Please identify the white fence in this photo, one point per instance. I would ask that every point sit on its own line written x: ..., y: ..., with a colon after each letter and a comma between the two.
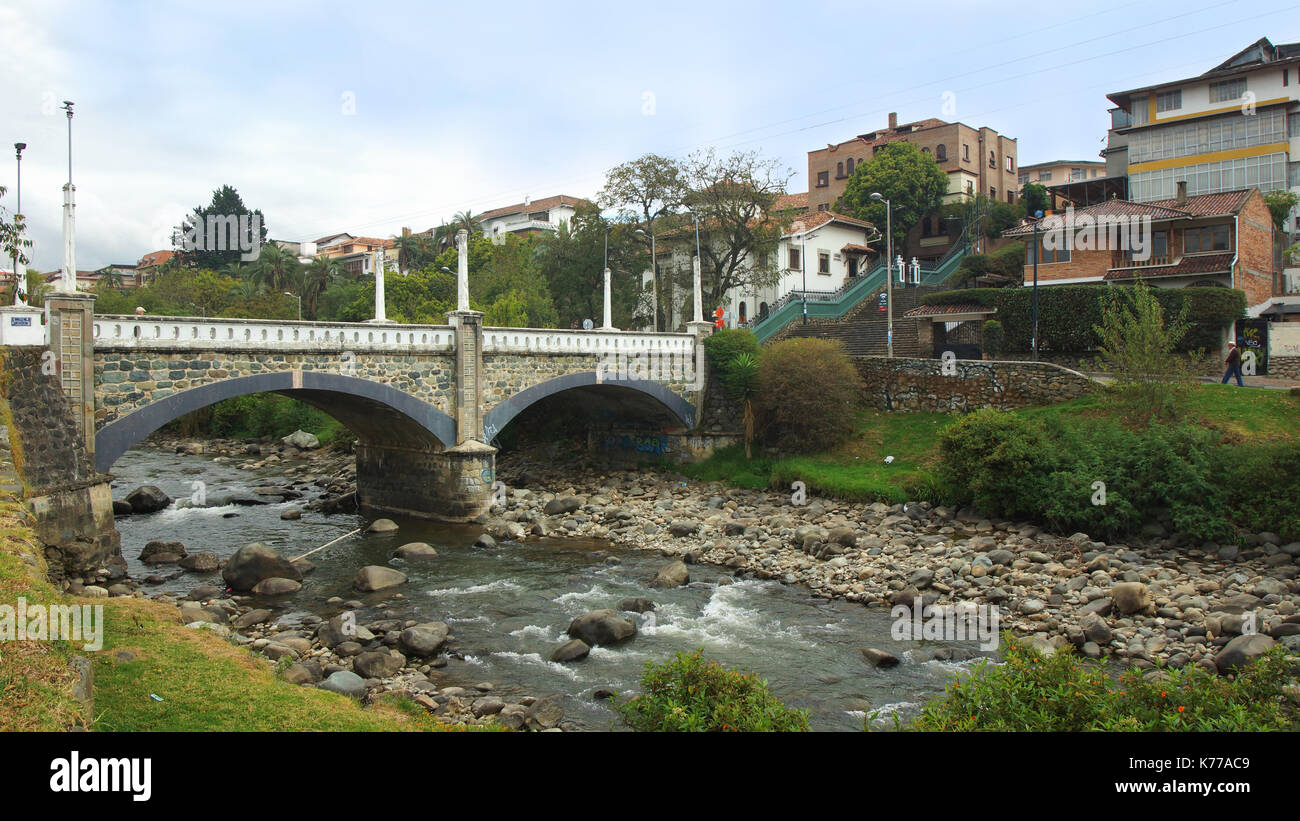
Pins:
x: 194, y: 333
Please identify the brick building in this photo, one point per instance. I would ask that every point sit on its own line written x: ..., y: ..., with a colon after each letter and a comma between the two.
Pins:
x: 976, y: 160
x: 1224, y: 240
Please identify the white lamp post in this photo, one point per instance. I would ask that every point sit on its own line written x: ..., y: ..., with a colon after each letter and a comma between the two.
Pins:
x: 889, y: 274
x: 68, y: 282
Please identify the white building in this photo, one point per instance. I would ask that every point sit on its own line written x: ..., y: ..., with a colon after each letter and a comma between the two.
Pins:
x: 527, y: 217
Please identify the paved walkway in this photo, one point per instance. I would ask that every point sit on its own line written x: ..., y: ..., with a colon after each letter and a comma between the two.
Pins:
x: 1275, y: 383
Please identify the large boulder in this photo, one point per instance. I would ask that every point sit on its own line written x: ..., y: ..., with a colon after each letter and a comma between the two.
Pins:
x: 1242, y: 651
x: 254, y: 562
x: 558, y: 507
x: 381, y: 526
x: 601, y: 627
x: 205, y: 561
x: 1130, y: 597
x: 276, y: 586
x: 378, y: 664
x: 346, y: 683
x: 147, y: 499
x: 673, y: 574
x: 338, y: 630
x: 157, y: 552
x: 376, y: 577
x: 302, y: 440
x: 572, y: 650
x: 415, y: 551
x: 879, y: 658
x: 423, y: 639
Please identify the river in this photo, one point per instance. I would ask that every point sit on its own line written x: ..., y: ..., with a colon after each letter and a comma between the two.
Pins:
x: 508, y: 607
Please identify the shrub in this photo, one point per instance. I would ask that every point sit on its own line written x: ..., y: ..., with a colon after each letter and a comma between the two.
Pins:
x: 1137, y: 345
x: 691, y: 694
x: 808, y: 391
x: 992, y: 337
x: 1063, y: 693
x: 724, y: 345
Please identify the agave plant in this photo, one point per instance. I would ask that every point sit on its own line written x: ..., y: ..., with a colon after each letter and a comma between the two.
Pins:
x: 742, y: 380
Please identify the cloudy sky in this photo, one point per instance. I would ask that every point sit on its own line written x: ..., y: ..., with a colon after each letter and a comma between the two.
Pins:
x: 366, y: 117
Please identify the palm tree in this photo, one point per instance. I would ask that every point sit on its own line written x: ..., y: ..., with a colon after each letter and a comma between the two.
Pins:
x: 316, y: 277
x: 277, y: 269
x: 465, y: 219
x: 413, y: 251
x: 444, y: 236
x: 110, y: 276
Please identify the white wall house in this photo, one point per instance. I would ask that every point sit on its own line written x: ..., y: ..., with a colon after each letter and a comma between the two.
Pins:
x: 529, y: 216
x: 821, y: 252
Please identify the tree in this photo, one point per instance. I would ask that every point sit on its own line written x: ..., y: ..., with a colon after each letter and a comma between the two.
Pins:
x: 572, y: 262
x: 226, y: 204
x: 1035, y: 199
x: 1138, y: 348
x: 903, y: 174
x: 464, y: 219
x: 277, y: 269
x: 414, y: 251
x: 317, y: 276
x: 646, y: 190
x: 1280, y: 205
x: 732, y: 196
x: 12, y: 241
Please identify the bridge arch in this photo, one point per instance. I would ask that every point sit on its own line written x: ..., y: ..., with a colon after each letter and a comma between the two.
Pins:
x: 642, y: 395
x: 377, y: 413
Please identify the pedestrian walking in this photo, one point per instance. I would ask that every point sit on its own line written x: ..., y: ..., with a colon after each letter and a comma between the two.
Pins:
x: 1234, y: 365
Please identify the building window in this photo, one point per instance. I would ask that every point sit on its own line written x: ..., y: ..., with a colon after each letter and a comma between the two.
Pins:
x: 1076, y: 174
x: 1266, y: 172
x: 824, y: 207
x: 794, y: 259
x: 970, y: 186
x: 1011, y: 164
x: 1286, y: 77
x: 925, y: 227
x: 839, y: 170
x: 1208, y: 238
x: 1227, y: 90
x: 993, y: 193
x: 823, y: 179
x: 1044, y: 176
x: 1169, y: 100
x: 1046, y: 257
x: 993, y: 160
x: 1011, y: 196
x: 850, y: 169
x: 744, y: 316
x: 823, y: 262
x: 965, y: 152
x: 1024, y: 177
x: 941, y: 152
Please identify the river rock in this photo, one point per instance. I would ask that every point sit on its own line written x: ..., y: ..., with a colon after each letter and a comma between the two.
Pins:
x: 276, y: 586
x: 299, y: 673
x: 545, y: 713
x: 254, y: 562
x: 346, y: 683
x: 683, y: 527
x: 378, y: 664
x: 559, y: 507
x: 415, y: 551
x: 1241, y: 651
x: 376, y: 577
x: 147, y: 499
x: 157, y: 552
x: 122, y: 507
x: 879, y: 658
x: 422, y: 640
x: 573, y: 650
x: 674, y: 574
x: 1096, y: 629
x: 205, y: 561
x: 381, y: 526
x: 602, y: 627
x: 251, y: 618
x: 302, y: 440
x: 485, y: 540
x: 639, y: 605
x: 1130, y: 597
x: 293, y: 514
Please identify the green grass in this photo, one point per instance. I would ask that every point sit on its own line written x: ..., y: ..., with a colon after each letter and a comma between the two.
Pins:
x: 856, y: 470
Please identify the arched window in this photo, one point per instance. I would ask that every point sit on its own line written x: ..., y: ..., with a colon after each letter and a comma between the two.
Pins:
x: 850, y: 166
x: 941, y: 152
x: 762, y: 309
x: 839, y: 170
x: 993, y: 160
x: 744, y: 316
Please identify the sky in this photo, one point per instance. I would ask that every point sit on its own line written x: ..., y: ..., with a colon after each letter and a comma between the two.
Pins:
x: 367, y: 117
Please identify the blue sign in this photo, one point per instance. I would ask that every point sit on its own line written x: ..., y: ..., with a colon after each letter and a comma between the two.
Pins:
x: 20, y: 321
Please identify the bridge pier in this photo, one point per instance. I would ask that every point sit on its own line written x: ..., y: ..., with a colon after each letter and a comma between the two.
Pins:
x: 454, y: 484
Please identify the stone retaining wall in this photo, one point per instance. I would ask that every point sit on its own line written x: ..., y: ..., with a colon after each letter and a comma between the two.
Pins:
x: 921, y: 385
x: 1284, y: 366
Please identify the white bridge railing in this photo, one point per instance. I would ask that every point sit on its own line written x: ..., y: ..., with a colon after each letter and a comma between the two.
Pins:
x: 196, y: 333
x: 223, y: 334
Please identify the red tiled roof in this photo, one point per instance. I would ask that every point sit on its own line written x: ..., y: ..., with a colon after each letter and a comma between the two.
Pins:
x: 1188, y: 265
x: 155, y: 258
x: 819, y: 218
x: 887, y: 135
x: 1203, y: 205
x: 951, y: 308
x: 790, y: 202
x: 544, y: 204
x: 853, y: 248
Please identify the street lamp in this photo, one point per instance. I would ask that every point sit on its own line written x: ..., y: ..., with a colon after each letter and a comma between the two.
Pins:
x: 1038, y: 216
x: 295, y: 296
x: 889, y: 266
x: 69, y: 280
x: 654, y: 276
x: 18, y: 214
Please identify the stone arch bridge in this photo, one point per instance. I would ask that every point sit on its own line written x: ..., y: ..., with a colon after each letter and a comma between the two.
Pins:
x: 425, y: 401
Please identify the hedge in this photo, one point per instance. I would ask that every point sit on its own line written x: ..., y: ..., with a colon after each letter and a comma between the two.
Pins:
x: 1067, y: 313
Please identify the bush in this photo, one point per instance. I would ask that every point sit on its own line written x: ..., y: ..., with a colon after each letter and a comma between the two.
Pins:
x: 1137, y: 346
x: 692, y: 694
x: 1067, y: 314
x: 992, y: 338
x: 724, y: 345
x: 1063, y: 693
x: 808, y: 391
x: 1006, y: 464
